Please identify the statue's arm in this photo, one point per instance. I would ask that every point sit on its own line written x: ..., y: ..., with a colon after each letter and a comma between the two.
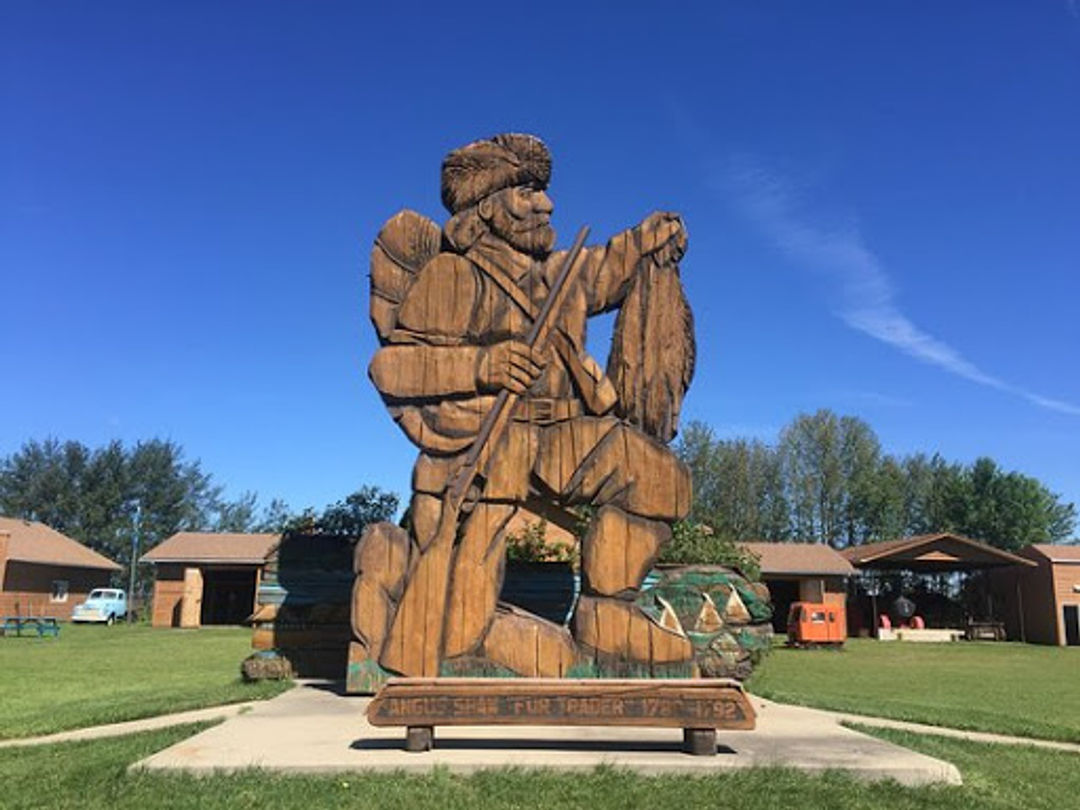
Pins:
x: 429, y: 356
x: 609, y: 269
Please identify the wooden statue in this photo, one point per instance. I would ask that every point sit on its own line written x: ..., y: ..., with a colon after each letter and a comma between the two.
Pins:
x: 483, y: 366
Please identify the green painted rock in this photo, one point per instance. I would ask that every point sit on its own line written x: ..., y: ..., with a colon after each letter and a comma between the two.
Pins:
x: 726, y: 617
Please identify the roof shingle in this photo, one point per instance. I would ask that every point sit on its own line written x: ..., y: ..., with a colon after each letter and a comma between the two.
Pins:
x: 33, y: 542
x: 209, y: 547
x: 1057, y: 553
x: 800, y: 558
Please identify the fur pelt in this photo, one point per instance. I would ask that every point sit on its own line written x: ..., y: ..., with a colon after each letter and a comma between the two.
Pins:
x: 652, y: 352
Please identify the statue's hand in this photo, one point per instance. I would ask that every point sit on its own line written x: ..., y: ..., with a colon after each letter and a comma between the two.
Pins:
x: 511, y: 364
x: 663, y: 236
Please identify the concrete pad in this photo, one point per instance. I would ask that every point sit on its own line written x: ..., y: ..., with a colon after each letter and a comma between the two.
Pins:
x: 315, y: 729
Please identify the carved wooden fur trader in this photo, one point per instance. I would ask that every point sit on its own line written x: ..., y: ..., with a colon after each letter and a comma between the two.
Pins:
x: 459, y: 311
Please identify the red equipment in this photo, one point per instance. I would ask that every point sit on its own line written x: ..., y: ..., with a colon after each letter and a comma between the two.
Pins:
x: 814, y: 623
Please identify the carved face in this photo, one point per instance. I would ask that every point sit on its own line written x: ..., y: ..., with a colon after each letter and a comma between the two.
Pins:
x: 522, y: 216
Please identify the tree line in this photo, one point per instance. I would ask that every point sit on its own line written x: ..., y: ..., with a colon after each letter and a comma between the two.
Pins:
x: 103, y: 496
x: 827, y: 480
x: 824, y: 480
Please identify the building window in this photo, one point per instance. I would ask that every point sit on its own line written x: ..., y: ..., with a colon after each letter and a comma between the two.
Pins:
x: 59, y: 591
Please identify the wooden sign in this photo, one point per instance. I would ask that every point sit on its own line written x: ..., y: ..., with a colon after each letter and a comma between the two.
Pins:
x: 719, y: 703
x: 421, y: 704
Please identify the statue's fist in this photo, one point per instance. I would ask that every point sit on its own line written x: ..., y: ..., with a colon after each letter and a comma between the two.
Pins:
x: 663, y: 236
x: 511, y: 364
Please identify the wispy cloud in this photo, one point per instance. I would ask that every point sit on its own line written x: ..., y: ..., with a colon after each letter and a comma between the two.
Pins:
x: 866, y: 298
x: 874, y: 398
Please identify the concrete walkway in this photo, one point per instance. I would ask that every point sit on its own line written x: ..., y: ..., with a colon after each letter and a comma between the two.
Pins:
x: 315, y: 729
x: 132, y: 726
x: 958, y: 733
x: 223, y: 712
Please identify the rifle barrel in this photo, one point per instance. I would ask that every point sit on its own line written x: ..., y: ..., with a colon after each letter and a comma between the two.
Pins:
x: 494, y: 424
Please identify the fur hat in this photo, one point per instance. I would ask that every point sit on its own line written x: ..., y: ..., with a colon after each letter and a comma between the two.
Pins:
x: 483, y: 167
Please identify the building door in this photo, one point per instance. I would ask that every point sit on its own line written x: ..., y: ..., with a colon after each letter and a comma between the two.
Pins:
x: 228, y: 595
x: 1071, y: 614
x: 783, y: 593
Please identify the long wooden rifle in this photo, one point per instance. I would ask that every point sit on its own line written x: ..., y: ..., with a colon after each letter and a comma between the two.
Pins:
x: 413, y: 647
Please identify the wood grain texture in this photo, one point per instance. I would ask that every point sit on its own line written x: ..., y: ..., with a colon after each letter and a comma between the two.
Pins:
x: 476, y: 578
x: 617, y: 628
x: 191, y: 602
x: 381, y: 563
x: 653, y: 351
x: 618, y: 550
x: 529, y: 646
x: 414, y: 640
x: 482, y: 363
x: 699, y: 704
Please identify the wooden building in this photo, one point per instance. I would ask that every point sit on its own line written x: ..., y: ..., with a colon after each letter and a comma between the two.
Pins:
x: 207, y: 577
x: 1046, y: 609
x: 908, y: 566
x: 801, y: 572
x: 46, y: 573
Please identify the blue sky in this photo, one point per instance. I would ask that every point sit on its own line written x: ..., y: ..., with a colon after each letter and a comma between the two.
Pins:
x: 883, y: 202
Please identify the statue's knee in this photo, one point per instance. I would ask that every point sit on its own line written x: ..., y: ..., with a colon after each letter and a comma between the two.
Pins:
x: 660, y: 482
x: 618, y: 550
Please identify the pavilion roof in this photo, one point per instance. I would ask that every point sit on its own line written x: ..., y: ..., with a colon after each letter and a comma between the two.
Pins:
x: 931, y: 553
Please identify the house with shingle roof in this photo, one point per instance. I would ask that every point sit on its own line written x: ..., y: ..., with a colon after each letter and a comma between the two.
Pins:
x: 44, y: 572
x: 801, y: 572
x: 207, y: 577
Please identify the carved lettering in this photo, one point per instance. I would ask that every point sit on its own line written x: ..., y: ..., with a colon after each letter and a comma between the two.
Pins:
x: 476, y: 701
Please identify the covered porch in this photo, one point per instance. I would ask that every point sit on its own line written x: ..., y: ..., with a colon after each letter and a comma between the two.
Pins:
x: 933, y: 587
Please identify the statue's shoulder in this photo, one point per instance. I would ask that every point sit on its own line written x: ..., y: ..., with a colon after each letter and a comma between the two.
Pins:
x: 443, y: 297
x: 412, y: 276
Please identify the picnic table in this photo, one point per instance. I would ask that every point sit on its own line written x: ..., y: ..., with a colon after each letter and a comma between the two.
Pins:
x: 42, y: 625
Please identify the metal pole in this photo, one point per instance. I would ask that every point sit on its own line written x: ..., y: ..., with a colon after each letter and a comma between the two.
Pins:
x: 133, y: 564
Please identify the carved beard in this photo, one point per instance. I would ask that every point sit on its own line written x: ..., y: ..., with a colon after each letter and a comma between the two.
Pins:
x: 531, y: 234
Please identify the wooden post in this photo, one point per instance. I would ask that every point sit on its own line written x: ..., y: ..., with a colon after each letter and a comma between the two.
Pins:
x: 419, y: 738
x: 700, y: 742
x: 191, y: 602
x: 258, y: 582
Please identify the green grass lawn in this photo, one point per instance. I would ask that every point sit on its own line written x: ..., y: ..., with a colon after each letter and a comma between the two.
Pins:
x: 1020, y: 689
x: 94, y: 674
x: 94, y: 774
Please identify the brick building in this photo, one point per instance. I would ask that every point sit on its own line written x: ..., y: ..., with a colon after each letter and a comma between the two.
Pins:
x: 45, y: 573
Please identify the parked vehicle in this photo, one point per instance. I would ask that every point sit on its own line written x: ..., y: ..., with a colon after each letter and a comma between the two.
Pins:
x: 103, y: 605
x: 812, y: 624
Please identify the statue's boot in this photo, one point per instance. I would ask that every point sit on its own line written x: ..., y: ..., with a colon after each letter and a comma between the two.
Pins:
x: 381, y: 563
x: 617, y: 553
x: 525, y: 644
